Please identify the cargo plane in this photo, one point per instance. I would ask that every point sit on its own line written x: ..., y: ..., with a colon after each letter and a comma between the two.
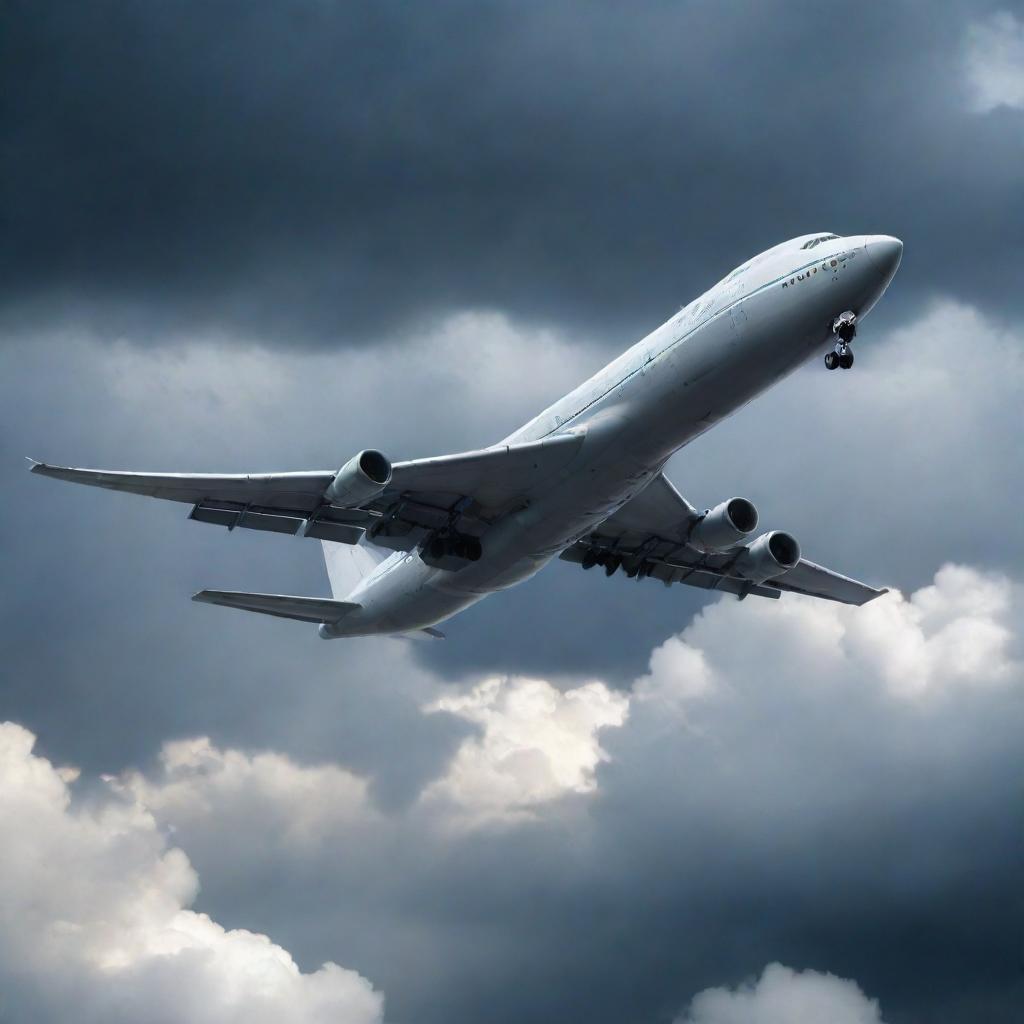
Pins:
x: 410, y: 544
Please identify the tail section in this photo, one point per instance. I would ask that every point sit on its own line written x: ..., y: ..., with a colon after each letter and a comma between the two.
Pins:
x: 349, y: 564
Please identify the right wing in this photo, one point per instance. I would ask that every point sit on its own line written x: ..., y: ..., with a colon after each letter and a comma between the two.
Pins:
x: 463, y: 492
x: 648, y: 537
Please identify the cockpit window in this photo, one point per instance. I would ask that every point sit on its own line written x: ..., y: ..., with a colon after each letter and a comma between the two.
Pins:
x: 817, y: 241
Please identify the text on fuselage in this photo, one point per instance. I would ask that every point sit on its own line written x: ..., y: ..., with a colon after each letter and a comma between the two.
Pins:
x: 828, y: 265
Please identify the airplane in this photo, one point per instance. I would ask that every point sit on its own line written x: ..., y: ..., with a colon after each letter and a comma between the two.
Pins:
x: 410, y: 544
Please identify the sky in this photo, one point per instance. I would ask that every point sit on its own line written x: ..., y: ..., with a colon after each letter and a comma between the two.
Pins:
x: 262, y: 236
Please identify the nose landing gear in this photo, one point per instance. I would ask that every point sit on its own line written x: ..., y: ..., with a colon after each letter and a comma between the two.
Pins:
x: 844, y: 327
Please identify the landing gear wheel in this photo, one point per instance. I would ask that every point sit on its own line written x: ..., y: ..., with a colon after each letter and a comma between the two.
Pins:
x: 832, y: 360
x: 846, y: 359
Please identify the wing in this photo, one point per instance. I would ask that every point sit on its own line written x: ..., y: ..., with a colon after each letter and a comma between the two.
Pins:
x: 647, y: 537
x: 463, y: 493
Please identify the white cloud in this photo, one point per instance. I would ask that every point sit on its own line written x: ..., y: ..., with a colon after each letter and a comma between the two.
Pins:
x: 678, y: 673
x: 784, y: 996
x: 95, y: 921
x: 958, y: 632
x: 299, y: 806
x: 536, y: 744
x: 994, y: 62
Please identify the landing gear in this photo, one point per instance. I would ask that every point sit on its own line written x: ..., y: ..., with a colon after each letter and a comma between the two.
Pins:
x: 844, y: 327
x: 842, y: 358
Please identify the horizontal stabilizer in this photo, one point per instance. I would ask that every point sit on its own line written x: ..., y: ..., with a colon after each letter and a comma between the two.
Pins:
x: 307, y: 609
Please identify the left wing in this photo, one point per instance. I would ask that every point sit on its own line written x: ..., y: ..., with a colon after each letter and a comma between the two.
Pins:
x: 647, y: 537
x: 460, y: 493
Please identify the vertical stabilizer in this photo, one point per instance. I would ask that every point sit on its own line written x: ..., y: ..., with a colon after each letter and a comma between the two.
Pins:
x: 349, y: 564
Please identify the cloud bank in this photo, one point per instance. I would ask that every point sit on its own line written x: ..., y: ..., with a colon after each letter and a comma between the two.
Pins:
x: 95, y: 921
x: 784, y: 996
x: 798, y: 751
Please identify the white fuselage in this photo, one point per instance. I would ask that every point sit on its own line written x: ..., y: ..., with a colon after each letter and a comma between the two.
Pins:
x: 715, y: 355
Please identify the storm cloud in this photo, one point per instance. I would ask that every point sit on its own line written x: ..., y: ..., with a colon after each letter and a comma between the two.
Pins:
x: 318, y: 173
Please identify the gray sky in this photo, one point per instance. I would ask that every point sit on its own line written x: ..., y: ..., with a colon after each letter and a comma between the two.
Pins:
x: 263, y: 236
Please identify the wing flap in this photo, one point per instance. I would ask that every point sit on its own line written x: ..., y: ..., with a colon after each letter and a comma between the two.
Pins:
x: 307, y: 609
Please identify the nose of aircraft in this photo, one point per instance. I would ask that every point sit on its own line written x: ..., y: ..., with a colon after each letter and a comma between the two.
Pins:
x: 884, y: 253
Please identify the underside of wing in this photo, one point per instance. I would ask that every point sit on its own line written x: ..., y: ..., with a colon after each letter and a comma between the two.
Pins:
x: 451, y: 496
x: 817, y: 581
x: 493, y: 477
x: 652, y: 536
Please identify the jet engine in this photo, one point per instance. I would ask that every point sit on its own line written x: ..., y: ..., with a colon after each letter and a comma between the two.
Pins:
x: 772, y: 554
x: 363, y: 477
x: 725, y: 526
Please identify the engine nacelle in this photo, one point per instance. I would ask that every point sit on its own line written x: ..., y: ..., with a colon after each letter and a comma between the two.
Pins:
x: 725, y: 526
x: 363, y: 477
x: 772, y: 554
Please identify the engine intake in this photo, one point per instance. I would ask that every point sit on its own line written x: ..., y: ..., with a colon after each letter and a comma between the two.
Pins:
x: 772, y: 554
x: 363, y: 477
x: 725, y: 526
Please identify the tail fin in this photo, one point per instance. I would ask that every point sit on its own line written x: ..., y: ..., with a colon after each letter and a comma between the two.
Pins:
x: 349, y: 564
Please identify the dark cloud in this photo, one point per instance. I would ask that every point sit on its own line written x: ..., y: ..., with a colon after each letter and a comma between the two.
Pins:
x: 321, y: 172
